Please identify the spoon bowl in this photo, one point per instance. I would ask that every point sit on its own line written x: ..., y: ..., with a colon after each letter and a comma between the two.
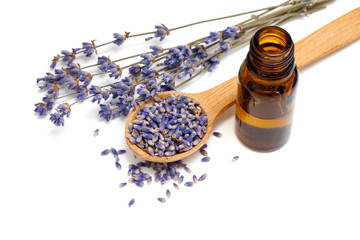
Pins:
x: 213, y: 102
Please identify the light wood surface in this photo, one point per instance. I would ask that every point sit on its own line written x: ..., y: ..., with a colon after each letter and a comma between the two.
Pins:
x: 215, y: 101
x: 327, y: 39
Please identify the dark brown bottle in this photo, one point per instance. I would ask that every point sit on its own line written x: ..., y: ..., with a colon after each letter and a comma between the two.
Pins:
x: 267, y: 83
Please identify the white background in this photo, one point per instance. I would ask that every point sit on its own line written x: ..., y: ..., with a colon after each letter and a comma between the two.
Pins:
x: 55, y: 185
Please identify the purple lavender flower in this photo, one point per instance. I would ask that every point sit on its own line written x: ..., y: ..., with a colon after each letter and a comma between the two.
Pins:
x: 214, y: 36
x: 61, y: 76
x: 61, y: 111
x: 105, y: 112
x: 239, y: 35
x: 53, y: 90
x: 134, y: 70
x: 212, y: 62
x: 156, y: 50
x: 98, y: 94
x: 148, y: 73
x: 89, y: 48
x: 49, y: 100
x: 82, y: 92
x: 57, y: 119
x: 187, y: 69
x: 103, y: 62
x: 64, y: 109
x: 161, y: 32
x: 74, y: 69
x: 144, y: 94
x: 174, y: 59
x: 153, y: 87
x: 124, y: 105
x: 229, y: 32
x: 49, y: 78
x: 199, y: 51
x: 224, y: 46
x: 115, y: 70
x: 54, y: 61
x: 167, y: 78
x: 119, y: 89
x: 147, y: 60
x: 119, y: 39
x: 185, y: 51
x: 41, y: 109
x: 85, y: 77
x: 68, y: 56
x: 73, y: 83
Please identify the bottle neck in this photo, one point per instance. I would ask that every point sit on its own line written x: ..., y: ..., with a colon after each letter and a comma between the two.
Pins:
x: 271, y: 54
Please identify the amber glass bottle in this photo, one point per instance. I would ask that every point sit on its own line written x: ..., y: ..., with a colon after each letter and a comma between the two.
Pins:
x: 266, y: 91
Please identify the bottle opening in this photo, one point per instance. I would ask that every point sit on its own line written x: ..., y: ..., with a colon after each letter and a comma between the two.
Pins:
x: 272, y: 41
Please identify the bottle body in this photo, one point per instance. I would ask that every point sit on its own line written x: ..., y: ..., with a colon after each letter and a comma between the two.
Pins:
x: 267, y: 83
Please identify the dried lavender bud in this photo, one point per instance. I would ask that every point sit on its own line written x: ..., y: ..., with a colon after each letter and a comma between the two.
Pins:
x: 176, y: 186
x: 132, y: 201
x: 114, y: 152
x: 121, y: 185
x: 203, y: 152
x: 121, y: 151
x: 235, y: 158
x: 162, y: 200
x: 118, y: 165
x: 96, y: 133
x: 189, y: 184
x: 169, y: 126
x: 105, y: 152
x: 195, y: 179
x: 217, y: 134
x: 119, y: 39
x: 168, y: 193
x: 203, y: 177
x: 181, y: 179
x: 205, y: 159
x: 204, y: 146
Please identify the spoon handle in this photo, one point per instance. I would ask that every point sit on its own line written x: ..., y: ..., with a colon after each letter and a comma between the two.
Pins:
x: 334, y: 35
x: 218, y: 99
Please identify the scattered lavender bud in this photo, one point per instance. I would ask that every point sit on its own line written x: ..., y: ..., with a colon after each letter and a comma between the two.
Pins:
x: 181, y: 179
x: 203, y: 177
x: 176, y: 186
x: 114, y: 152
x: 203, y: 152
x: 121, y: 151
x: 96, y: 133
x: 105, y: 152
x: 168, y: 193
x: 188, y: 170
x: 132, y: 201
x: 118, y: 165
x: 189, y: 184
x: 121, y: 185
x: 162, y: 200
x: 217, y: 134
x: 204, y: 146
x: 195, y: 179
x: 235, y: 158
x: 205, y: 159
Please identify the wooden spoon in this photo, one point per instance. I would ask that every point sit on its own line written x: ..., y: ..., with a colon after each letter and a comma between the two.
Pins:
x: 215, y: 101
